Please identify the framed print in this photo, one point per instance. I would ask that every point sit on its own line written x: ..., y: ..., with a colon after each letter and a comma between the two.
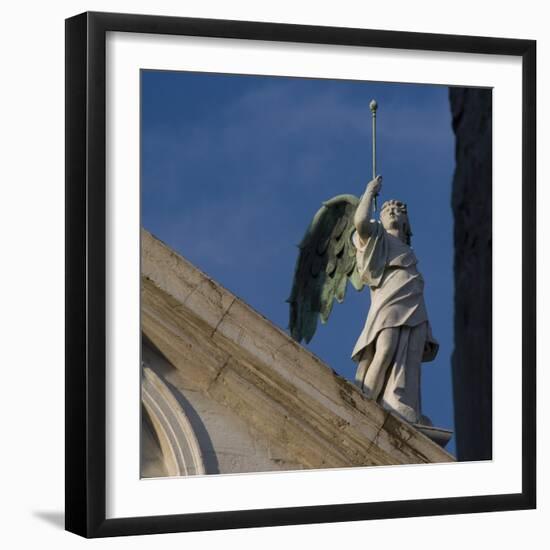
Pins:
x: 219, y: 376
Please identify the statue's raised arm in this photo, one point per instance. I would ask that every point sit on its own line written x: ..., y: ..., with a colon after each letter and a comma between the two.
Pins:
x: 364, y: 224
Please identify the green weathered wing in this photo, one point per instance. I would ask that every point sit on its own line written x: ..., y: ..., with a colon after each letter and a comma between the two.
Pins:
x: 325, y: 263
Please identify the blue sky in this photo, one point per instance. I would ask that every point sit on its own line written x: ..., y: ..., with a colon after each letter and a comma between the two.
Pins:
x: 234, y: 167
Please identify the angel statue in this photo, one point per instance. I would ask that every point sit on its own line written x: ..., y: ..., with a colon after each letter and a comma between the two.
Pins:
x: 344, y: 242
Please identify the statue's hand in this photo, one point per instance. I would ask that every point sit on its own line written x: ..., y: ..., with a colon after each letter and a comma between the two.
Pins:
x: 374, y: 186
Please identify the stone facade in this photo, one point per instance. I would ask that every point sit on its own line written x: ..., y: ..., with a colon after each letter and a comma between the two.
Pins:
x: 225, y: 391
x: 472, y: 208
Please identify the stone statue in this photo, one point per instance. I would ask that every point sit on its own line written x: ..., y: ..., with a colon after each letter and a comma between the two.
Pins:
x: 397, y: 335
x: 344, y: 242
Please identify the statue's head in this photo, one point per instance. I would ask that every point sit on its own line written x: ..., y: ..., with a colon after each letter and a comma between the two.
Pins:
x: 393, y: 215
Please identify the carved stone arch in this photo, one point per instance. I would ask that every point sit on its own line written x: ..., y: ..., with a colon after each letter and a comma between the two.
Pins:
x: 178, y: 442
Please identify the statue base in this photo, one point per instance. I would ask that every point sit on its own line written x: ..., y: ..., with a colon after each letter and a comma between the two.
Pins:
x: 441, y: 436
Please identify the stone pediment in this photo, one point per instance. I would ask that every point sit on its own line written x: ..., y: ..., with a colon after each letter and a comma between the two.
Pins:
x: 239, y: 378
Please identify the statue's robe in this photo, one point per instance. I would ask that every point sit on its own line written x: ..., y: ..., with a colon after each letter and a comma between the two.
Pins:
x: 388, y: 266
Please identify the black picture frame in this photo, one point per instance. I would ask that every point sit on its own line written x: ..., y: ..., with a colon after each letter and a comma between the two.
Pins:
x: 86, y: 273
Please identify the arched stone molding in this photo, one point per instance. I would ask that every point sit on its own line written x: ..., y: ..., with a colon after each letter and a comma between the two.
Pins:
x: 179, y: 445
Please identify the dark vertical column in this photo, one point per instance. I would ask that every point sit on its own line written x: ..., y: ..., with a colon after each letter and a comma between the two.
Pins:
x: 472, y: 208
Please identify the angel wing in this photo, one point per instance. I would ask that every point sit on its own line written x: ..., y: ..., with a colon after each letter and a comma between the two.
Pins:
x: 325, y: 263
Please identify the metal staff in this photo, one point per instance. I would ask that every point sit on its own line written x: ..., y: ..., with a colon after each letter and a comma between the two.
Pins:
x: 373, y: 106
